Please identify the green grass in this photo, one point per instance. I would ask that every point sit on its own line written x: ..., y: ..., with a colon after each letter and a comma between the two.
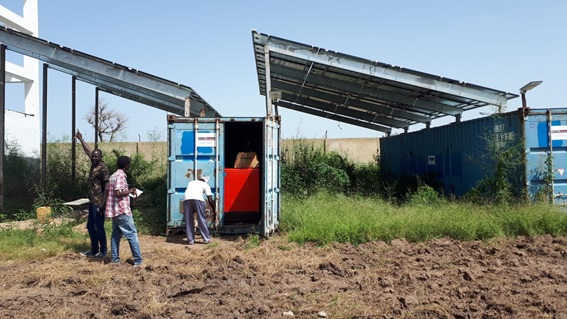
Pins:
x: 325, y: 218
x: 39, y: 242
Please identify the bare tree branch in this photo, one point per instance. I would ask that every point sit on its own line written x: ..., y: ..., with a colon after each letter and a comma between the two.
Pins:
x: 110, y: 122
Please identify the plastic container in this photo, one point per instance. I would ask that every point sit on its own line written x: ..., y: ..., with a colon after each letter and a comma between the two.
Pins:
x: 43, y: 214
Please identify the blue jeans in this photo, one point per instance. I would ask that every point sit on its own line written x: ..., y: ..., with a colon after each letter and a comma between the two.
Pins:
x: 123, y: 225
x: 95, y: 227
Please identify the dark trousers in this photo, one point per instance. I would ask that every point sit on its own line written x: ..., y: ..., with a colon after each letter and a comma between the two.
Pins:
x: 192, y: 206
x: 97, y: 233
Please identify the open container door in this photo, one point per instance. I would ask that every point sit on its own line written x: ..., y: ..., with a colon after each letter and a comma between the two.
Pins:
x: 546, y: 154
x: 193, y: 152
x: 271, y: 176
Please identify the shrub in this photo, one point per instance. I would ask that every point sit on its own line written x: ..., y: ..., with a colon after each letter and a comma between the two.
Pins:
x: 503, y: 164
x: 20, y: 174
x: 365, y: 179
x: 25, y: 191
x: 425, y: 196
x: 307, y: 170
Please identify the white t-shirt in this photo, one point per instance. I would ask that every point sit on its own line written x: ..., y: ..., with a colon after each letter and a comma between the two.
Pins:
x: 196, y: 190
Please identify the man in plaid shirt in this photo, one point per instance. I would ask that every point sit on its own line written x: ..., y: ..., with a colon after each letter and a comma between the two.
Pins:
x: 118, y: 208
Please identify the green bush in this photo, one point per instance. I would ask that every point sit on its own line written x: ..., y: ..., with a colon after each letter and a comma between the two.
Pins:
x: 20, y: 174
x: 503, y: 164
x: 307, y: 170
x: 365, y: 179
x: 425, y: 196
x: 23, y: 176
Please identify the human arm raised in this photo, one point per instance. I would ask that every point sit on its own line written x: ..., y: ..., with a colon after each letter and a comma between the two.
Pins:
x: 86, y: 147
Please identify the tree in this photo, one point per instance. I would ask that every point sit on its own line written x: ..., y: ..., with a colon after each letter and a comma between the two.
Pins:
x: 110, y: 122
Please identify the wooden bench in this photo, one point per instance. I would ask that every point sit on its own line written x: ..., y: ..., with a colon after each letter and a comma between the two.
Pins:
x: 80, y: 208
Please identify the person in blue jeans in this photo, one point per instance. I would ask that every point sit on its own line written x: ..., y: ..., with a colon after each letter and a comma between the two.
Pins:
x: 118, y: 209
x: 98, y: 178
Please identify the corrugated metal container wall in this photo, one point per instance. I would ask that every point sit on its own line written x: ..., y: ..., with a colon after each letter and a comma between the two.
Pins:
x: 457, y: 156
x: 546, y: 134
x: 209, y: 147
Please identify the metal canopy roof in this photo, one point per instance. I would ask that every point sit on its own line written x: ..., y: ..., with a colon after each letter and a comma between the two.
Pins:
x: 361, y: 92
x: 110, y: 77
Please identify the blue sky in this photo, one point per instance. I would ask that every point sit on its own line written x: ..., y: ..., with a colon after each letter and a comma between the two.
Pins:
x: 207, y: 45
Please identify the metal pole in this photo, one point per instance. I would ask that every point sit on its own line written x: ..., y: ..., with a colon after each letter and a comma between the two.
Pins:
x: 524, y: 104
x: 2, y: 119
x: 44, y: 132
x: 550, y: 162
x: 96, y: 119
x: 73, y: 130
x: 268, y: 82
x: 195, y: 150
x: 217, y: 173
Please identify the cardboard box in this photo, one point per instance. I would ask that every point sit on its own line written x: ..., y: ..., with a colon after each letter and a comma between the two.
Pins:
x: 246, y: 160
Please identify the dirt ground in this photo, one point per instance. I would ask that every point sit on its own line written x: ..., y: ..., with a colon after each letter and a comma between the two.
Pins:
x: 443, y: 278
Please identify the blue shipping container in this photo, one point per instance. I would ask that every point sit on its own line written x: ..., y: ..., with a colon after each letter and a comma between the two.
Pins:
x: 206, y: 146
x: 457, y: 156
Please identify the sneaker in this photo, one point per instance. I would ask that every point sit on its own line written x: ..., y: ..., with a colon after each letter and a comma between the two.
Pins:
x: 138, y: 265
x: 100, y: 255
x: 190, y: 243
x: 206, y: 242
x: 87, y: 253
x: 116, y: 262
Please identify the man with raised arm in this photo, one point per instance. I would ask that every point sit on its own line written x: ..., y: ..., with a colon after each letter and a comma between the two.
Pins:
x: 98, y: 178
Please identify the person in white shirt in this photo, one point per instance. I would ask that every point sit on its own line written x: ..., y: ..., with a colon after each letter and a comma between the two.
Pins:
x: 194, y: 202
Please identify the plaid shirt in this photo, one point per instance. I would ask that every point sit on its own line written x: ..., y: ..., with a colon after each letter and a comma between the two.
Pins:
x: 117, y: 205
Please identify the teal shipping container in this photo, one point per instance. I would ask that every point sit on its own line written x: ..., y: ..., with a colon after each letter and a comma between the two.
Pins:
x: 456, y: 157
x: 247, y: 199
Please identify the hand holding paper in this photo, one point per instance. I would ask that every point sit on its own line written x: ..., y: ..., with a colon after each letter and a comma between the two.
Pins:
x: 138, y: 193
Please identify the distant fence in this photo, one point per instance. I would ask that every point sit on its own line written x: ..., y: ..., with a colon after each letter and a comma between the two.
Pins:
x: 358, y: 150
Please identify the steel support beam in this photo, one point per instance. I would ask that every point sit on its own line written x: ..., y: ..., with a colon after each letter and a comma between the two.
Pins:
x: 268, y: 86
x: 363, y: 91
x: 73, y: 131
x: 344, y: 111
x: 338, y: 99
x: 96, y: 119
x: 336, y: 117
x: 2, y: 121
x: 44, y: 132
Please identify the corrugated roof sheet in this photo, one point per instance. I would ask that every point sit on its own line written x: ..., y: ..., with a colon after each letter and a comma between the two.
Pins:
x: 358, y: 91
x: 110, y: 77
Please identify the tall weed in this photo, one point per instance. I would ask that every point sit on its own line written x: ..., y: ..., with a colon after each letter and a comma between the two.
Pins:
x: 325, y: 218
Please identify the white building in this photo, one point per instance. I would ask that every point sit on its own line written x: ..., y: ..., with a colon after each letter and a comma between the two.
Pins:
x: 22, y: 111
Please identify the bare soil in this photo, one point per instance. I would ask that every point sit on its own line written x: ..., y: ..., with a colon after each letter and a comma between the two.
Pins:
x: 524, y: 277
